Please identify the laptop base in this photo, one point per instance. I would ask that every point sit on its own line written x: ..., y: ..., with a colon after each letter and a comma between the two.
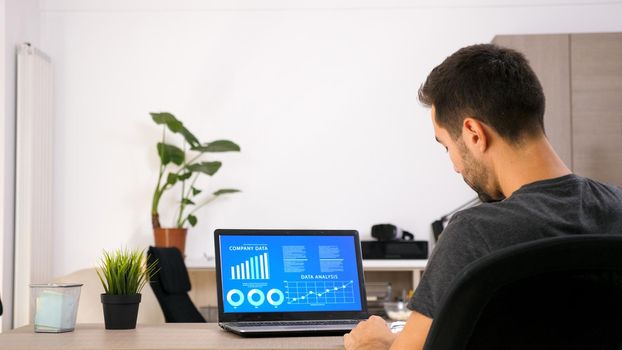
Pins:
x: 289, y: 331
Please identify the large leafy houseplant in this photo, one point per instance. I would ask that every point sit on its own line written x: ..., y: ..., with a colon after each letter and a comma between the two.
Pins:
x: 123, y: 274
x: 183, y: 166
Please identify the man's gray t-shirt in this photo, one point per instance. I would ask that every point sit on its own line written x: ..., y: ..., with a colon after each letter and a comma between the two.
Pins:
x: 568, y: 205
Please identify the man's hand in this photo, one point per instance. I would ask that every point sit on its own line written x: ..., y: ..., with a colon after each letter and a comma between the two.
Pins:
x: 374, y: 334
x: 371, y: 334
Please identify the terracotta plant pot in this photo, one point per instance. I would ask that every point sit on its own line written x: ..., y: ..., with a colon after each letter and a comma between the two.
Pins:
x: 171, y: 237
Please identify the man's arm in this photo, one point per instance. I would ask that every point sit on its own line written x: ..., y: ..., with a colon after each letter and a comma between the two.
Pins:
x: 414, y: 333
x: 374, y: 334
x: 459, y: 245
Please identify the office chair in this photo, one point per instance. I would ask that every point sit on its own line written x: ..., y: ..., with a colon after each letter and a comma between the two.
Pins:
x: 555, y: 293
x: 171, y: 285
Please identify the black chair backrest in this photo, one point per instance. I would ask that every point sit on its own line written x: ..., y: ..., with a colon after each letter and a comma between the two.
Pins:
x: 171, y: 285
x: 554, y: 293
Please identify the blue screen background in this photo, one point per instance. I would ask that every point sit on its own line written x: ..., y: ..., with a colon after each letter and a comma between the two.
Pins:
x: 300, y: 273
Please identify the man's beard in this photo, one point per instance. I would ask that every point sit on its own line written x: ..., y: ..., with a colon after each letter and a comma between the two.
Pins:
x: 477, y: 176
x: 483, y: 196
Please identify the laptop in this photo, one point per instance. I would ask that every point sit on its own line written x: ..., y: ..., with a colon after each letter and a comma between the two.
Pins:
x: 289, y: 282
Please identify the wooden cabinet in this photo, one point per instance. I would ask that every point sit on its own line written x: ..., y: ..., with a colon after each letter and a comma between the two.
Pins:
x: 596, y: 85
x: 581, y: 75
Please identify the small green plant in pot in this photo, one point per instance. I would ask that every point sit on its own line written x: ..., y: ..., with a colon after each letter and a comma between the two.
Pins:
x: 181, y: 167
x: 123, y: 274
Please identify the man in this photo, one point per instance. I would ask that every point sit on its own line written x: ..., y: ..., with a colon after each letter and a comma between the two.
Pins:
x: 487, y: 109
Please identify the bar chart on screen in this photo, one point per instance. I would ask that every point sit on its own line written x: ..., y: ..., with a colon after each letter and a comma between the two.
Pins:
x: 254, y: 268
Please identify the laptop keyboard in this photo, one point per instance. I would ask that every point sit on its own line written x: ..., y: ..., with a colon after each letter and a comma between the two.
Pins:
x: 295, y: 323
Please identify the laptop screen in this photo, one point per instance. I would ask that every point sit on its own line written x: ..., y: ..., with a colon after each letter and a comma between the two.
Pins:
x: 272, y: 271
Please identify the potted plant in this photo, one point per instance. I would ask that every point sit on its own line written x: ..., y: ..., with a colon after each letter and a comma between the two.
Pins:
x: 182, y: 166
x: 123, y: 274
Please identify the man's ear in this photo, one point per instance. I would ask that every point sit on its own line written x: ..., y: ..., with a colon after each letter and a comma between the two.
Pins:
x: 475, y: 134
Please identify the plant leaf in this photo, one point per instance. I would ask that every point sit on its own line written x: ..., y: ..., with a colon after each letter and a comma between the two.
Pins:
x: 195, y: 191
x: 171, y: 179
x: 167, y: 119
x: 169, y: 153
x: 190, y: 138
x: 192, y: 220
x: 217, y: 146
x: 225, y: 191
x: 187, y: 201
x: 209, y: 168
x: 185, y: 176
x: 123, y: 273
x: 176, y: 126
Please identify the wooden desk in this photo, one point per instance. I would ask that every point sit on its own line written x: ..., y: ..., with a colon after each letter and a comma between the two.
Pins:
x: 166, y: 336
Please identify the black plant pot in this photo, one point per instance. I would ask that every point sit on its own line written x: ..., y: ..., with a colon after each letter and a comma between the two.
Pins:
x: 120, y: 311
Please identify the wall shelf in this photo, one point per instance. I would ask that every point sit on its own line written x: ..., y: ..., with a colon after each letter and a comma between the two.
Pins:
x: 393, y: 265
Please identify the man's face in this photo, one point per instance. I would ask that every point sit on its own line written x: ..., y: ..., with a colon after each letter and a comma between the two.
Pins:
x: 473, y: 172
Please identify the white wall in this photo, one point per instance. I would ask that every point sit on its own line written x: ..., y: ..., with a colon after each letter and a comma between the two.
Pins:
x: 21, y: 23
x: 321, y: 95
x: 3, y: 166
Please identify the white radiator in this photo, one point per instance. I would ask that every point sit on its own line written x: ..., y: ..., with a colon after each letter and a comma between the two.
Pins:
x: 33, y: 177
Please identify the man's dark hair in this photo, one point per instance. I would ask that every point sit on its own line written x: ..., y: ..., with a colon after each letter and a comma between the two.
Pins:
x: 490, y: 83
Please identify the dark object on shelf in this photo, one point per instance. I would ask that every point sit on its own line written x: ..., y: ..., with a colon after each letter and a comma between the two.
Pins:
x: 394, y: 249
x: 389, y: 232
x: 439, y: 225
x: 378, y: 291
x: 171, y: 285
x: 376, y: 307
x: 377, y: 294
x: 555, y: 293
x: 120, y: 311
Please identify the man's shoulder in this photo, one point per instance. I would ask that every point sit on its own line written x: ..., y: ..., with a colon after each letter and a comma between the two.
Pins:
x: 568, y: 186
x: 544, y: 197
x: 571, y: 205
x: 490, y: 212
x: 604, y: 187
